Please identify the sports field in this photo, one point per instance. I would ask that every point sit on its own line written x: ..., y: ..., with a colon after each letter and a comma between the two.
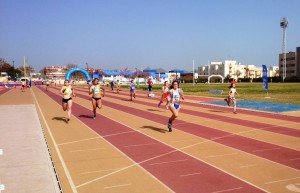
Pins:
x: 128, y: 148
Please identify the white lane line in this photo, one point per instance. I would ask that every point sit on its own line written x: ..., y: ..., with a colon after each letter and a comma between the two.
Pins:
x: 186, y: 175
x: 248, y: 166
x: 184, y: 140
x: 117, y: 186
x: 228, y: 190
x: 1, y: 151
x: 164, y: 154
x: 121, y: 133
x: 87, y: 150
x: 56, y: 148
x: 66, y: 143
x: 212, y: 156
x: 99, y: 171
x: 283, y: 180
x: 260, y: 150
x: 158, y: 163
x: 138, y: 145
x: 295, y: 159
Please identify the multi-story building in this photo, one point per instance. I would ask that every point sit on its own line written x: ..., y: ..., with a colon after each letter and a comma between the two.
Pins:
x: 55, y: 72
x: 292, y: 63
x: 228, y: 68
x: 251, y: 71
x: 273, y: 71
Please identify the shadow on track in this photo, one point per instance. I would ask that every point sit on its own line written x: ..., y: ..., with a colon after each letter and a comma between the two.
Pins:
x: 60, y: 119
x: 86, y: 116
x: 155, y: 129
x: 154, y: 110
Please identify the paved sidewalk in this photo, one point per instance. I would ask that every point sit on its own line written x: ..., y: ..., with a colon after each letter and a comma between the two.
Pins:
x: 25, y: 165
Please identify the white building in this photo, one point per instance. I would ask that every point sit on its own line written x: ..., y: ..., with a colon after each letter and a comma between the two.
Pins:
x: 273, y: 71
x: 230, y: 68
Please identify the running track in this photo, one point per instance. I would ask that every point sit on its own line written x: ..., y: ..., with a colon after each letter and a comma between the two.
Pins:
x: 183, y: 171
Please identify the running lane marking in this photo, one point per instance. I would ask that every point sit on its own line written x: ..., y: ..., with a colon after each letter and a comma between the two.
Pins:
x: 283, y: 180
x: 138, y: 145
x: 228, y: 190
x: 56, y: 148
x: 66, y: 143
x: 259, y: 150
x: 117, y: 186
x: 95, y: 149
x: 186, y: 175
x: 212, y: 156
x: 175, y: 161
x: 161, y: 155
x: 124, y: 168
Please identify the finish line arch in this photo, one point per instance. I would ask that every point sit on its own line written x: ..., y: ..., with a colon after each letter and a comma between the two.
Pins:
x: 70, y: 72
x: 215, y: 76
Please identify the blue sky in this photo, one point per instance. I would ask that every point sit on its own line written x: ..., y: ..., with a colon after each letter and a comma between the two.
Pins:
x: 114, y: 34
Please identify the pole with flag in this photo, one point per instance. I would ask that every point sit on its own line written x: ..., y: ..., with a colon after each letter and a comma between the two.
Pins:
x: 265, y: 78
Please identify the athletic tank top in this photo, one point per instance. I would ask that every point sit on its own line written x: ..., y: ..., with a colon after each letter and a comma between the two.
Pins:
x: 175, y: 96
x: 132, y: 86
x: 67, y: 90
x: 96, y: 89
x: 232, y: 91
x: 165, y: 89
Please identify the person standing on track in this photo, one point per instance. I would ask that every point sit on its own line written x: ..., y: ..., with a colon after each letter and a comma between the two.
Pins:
x: 150, y: 85
x: 118, y: 86
x: 231, y: 94
x: 165, y: 95
x: 23, y: 82
x: 175, y: 94
x: 132, y: 90
x: 95, y: 91
x: 47, y: 85
x: 67, y: 92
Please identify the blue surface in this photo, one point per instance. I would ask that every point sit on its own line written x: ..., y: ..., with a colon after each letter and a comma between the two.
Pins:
x: 262, y: 106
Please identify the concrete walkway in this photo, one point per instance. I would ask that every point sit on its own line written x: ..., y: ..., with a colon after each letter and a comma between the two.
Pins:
x: 25, y: 164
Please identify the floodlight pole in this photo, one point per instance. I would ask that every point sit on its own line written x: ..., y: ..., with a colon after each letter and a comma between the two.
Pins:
x: 284, y: 25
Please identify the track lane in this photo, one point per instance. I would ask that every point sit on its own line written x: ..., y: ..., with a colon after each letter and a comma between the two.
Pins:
x: 154, y: 152
x: 265, y: 150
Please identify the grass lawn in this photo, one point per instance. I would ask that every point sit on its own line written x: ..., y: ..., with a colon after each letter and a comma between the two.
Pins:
x: 278, y: 92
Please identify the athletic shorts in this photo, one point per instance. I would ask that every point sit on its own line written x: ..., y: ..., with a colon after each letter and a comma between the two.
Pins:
x: 150, y: 87
x: 96, y: 99
x: 177, y: 106
x: 166, y: 96
x: 66, y: 100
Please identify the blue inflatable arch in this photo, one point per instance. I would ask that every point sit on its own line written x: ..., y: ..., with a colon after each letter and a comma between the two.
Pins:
x: 86, y: 74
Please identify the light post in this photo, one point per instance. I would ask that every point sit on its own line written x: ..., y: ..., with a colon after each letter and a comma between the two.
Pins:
x: 14, y: 69
x: 284, y: 24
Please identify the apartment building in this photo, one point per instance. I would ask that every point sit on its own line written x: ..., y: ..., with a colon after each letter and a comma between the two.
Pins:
x: 228, y: 68
x: 292, y: 63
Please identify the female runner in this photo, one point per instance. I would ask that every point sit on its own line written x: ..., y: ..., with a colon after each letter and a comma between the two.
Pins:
x: 67, y: 93
x: 175, y: 94
x: 231, y: 94
x: 95, y: 91
x: 132, y: 90
x: 165, y: 95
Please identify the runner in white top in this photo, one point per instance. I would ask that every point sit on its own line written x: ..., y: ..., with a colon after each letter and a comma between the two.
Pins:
x: 67, y: 92
x: 118, y: 86
x: 231, y: 94
x: 95, y: 91
x: 176, y: 94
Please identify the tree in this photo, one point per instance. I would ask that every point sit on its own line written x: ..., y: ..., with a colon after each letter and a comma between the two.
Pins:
x: 70, y: 66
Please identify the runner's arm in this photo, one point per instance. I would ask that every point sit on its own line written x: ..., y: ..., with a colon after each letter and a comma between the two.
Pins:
x: 103, y: 91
